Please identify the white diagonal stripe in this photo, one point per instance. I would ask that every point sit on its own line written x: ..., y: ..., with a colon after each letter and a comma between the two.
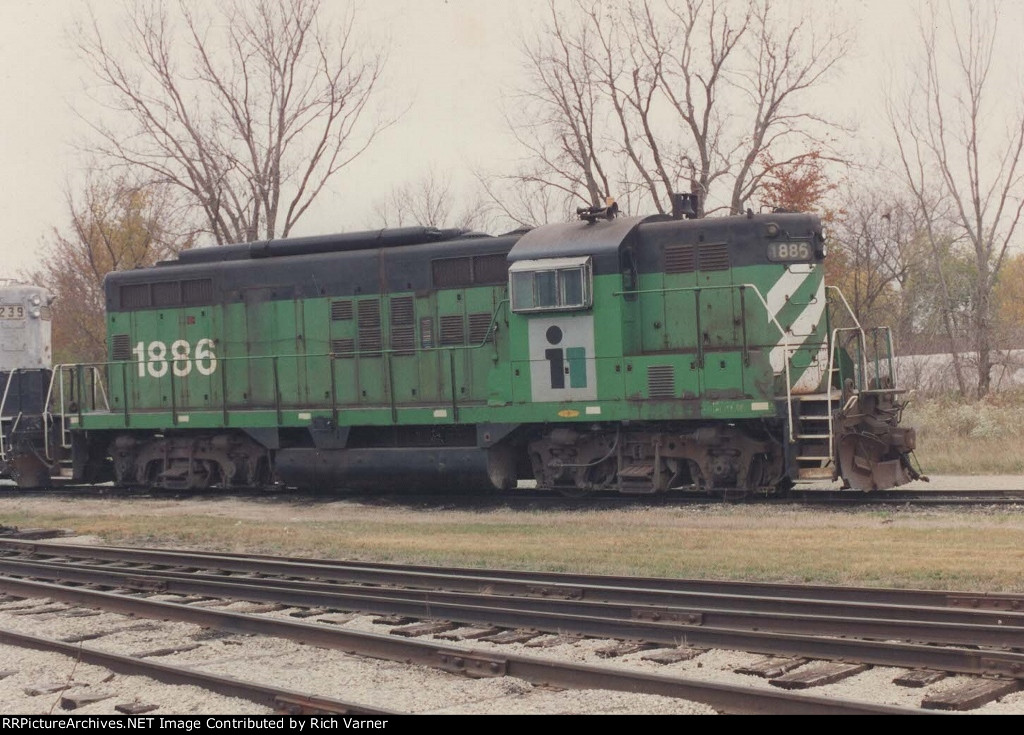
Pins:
x: 801, y: 327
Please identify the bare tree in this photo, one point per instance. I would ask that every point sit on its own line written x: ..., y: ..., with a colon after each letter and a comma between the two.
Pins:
x: 114, y: 224
x: 429, y: 201
x: 679, y: 54
x: 659, y: 96
x: 556, y: 118
x: 874, y: 257
x: 250, y: 110
x: 960, y: 135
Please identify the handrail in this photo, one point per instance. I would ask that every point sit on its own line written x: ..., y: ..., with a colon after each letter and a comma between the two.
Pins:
x: 874, y: 331
x: 3, y: 405
x: 860, y: 329
x: 47, y: 414
x: 57, y: 378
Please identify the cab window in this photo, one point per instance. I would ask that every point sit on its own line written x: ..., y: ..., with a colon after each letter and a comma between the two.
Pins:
x: 555, y: 284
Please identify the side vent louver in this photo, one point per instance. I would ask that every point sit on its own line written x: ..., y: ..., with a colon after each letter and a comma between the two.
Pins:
x: 679, y: 259
x: 479, y: 328
x: 122, y: 347
x: 661, y: 381
x: 403, y: 330
x: 341, y: 310
x: 369, y: 328
x: 343, y: 347
x: 706, y: 257
x: 714, y: 257
x: 453, y: 330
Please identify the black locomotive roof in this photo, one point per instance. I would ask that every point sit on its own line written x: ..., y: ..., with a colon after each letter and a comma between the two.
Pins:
x: 745, y: 235
x: 600, y: 239
x: 403, y: 260
x: 341, y: 242
x: 320, y: 273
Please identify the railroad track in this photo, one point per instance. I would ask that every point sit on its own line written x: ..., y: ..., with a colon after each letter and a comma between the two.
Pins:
x: 534, y: 499
x: 808, y: 634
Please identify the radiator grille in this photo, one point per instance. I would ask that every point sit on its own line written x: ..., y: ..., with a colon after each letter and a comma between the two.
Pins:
x: 135, y: 296
x: 490, y: 269
x: 167, y: 293
x: 452, y: 272
x: 197, y: 291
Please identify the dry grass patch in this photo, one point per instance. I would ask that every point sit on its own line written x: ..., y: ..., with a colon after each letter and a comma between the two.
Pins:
x: 981, y: 437
x: 943, y: 550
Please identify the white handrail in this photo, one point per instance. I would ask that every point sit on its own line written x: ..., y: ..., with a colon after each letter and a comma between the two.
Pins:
x: 3, y: 405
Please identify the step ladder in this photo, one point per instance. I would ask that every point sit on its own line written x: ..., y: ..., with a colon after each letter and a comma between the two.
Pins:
x: 814, y: 435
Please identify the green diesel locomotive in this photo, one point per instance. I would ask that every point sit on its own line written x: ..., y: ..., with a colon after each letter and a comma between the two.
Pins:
x: 625, y: 354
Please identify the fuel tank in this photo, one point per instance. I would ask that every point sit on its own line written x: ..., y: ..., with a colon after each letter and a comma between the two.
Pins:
x: 419, y: 469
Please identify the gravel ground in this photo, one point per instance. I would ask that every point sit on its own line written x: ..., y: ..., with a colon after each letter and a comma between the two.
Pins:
x: 381, y: 684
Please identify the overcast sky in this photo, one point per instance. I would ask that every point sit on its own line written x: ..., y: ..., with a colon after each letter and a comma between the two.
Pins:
x: 453, y: 59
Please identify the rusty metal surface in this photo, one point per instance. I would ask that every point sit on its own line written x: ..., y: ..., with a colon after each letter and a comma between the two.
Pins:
x: 747, y: 596
x: 568, y: 604
x: 656, y: 624
x: 536, y: 670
